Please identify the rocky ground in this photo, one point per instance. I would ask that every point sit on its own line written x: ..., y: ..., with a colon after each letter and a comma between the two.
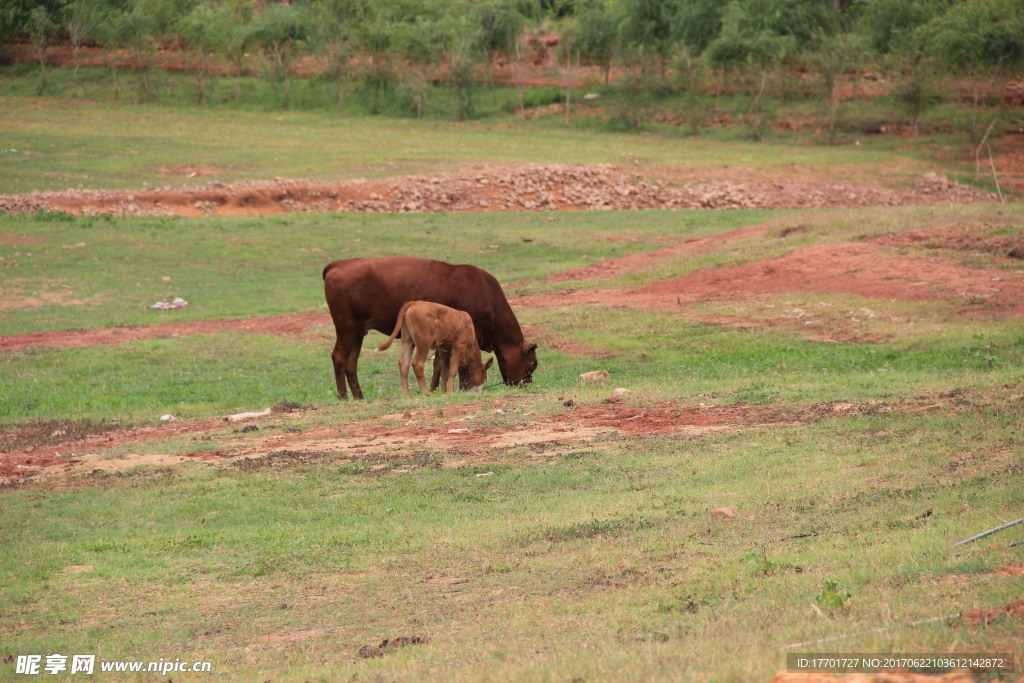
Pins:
x: 533, y: 187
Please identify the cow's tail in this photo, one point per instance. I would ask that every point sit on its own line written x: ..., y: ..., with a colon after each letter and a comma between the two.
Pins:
x: 327, y: 268
x: 398, y: 327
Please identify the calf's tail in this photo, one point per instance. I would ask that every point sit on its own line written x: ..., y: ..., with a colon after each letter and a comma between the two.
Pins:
x: 398, y: 327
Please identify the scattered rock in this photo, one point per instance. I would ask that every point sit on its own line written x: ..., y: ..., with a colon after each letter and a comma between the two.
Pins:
x: 531, y: 187
x: 595, y: 376
x: 723, y: 513
x: 621, y: 392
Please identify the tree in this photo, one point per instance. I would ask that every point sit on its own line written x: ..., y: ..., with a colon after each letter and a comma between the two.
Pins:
x: 752, y: 48
x: 980, y: 38
x: 281, y: 31
x: 238, y: 37
x: 206, y: 29
x: 462, y: 53
x: 16, y: 15
x: 692, y: 74
x: 376, y: 33
x: 983, y: 36
x: 696, y: 23
x: 112, y: 32
x: 835, y: 57
x: 646, y: 29
x: 81, y: 20
x: 598, y: 36
x: 420, y: 43
x: 888, y: 25
x: 43, y: 31
x: 893, y: 29
x: 569, y: 58
x: 499, y: 25
x: 338, y: 20
x: 143, y: 27
x: 757, y: 35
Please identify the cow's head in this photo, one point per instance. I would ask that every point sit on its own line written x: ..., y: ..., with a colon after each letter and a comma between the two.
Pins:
x: 518, y: 363
x: 530, y: 358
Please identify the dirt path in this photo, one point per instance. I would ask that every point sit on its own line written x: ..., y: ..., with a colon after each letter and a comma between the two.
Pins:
x: 633, y: 263
x: 867, y: 269
x: 480, y: 433
x: 534, y: 187
x: 288, y: 324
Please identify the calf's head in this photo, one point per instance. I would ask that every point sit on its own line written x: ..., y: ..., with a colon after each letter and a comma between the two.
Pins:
x: 476, y: 374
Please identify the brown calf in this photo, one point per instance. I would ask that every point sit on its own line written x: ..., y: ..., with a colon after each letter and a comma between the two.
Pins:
x: 424, y: 326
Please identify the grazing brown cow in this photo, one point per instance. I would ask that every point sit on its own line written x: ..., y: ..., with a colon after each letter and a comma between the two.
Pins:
x: 425, y: 326
x: 367, y: 293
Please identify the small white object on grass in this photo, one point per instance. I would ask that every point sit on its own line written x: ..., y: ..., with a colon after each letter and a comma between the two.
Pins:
x: 176, y: 302
x: 595, y: 376
x: 238, y: 417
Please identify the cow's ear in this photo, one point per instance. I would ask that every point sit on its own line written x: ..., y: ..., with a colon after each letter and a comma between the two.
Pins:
x: 528, y: 347
x: 489, y: 362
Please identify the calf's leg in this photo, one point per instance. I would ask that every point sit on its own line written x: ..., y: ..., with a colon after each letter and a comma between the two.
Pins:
x: 418, y: 361
x: 453, y: 372
x: 404, y: 360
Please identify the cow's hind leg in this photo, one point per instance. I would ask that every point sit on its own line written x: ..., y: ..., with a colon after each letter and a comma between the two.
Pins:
x: 340, y: 358
x: 346, y: 359
x: 352, y: 365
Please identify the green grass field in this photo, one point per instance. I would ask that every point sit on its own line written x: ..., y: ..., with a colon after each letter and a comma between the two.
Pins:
x: 590, y: 561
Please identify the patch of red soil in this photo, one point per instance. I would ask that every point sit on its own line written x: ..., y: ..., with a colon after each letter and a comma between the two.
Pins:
x: 288, y: 324
x: 612, y: 268
x: 1010, y: 570
x: 23, y: 463
x: 461, y: 430
x: 864, y: 269
x: 535, y: 187
x: 984, y: 617
x: 665, y: 418
x: 973, y: 238
x: 466, y: 431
